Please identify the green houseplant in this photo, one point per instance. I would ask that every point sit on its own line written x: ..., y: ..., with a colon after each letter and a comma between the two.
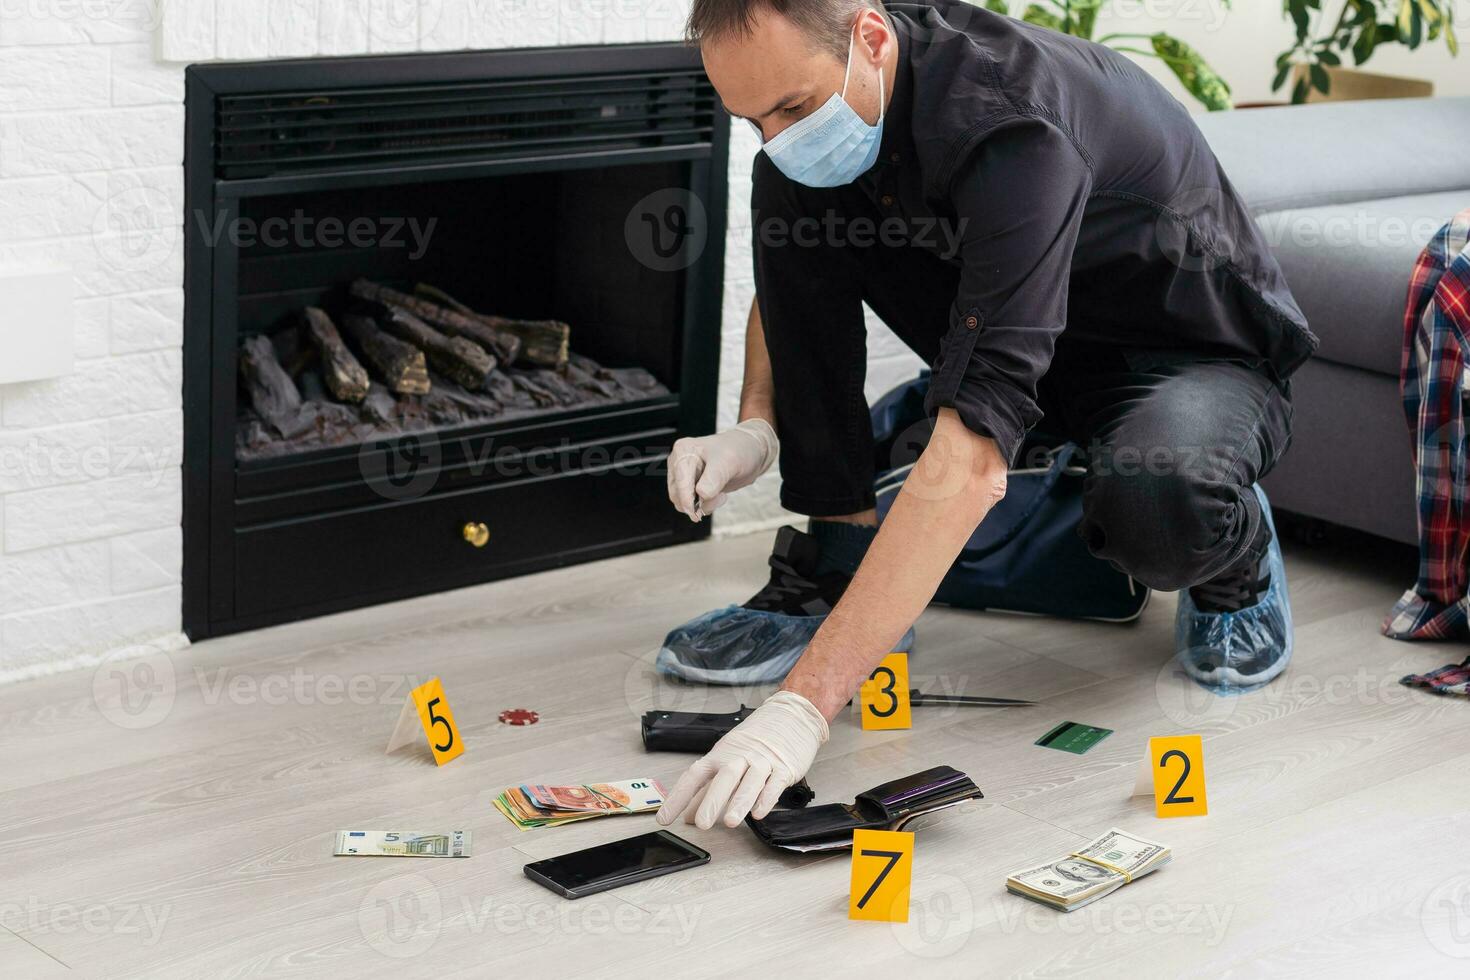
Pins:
x: 1361, y: 26
x: 1079, y: 18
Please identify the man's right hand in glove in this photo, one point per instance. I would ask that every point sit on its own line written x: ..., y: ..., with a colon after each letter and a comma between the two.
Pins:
x: 748, y: 769
x: 704, y: 470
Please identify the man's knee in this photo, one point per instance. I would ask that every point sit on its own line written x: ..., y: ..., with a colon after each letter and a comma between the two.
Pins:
x: 1166, y: 528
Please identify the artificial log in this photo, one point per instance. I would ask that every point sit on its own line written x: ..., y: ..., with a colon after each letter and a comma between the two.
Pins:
x: 507, y: 394
x: 505, y: 347
x: 498, y: 345
x: 378, y: 407
x: 311, y: 387
x: 636, y: 383
x: 452, y: 405
x: 548, y: 388
x: 457, y: 359
x: 591, y: 377
x: 401, y: 365
x: 294, y: 353
x: 544, y: 343
x: 269, y: 388
x: 345, y: 376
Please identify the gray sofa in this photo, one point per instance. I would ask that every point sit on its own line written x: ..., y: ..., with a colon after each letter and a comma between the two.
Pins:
x: 1348, y: 194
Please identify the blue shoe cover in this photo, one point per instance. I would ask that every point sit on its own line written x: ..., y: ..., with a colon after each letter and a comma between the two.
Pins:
x: 1238, y: 652
x: 735, y: 646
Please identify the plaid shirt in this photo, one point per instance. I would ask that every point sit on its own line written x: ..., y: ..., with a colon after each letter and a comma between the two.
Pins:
x: 1434, y: 386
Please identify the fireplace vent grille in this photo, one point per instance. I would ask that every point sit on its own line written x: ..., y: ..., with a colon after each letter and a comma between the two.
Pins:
x: 361, y: 129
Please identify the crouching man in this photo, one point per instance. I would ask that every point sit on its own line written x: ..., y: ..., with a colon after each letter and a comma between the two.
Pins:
x: 1098, y: 270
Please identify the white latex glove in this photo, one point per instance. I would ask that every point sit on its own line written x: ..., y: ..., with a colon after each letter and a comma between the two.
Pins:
x: 749, y: 769
x: 712, y: 467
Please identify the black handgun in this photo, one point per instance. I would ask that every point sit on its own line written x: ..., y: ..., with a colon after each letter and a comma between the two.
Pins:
x: 693, y: 731
x: 688, y: 731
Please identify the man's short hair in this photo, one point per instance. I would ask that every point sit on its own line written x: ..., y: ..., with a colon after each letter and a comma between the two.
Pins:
x: 828, y: 23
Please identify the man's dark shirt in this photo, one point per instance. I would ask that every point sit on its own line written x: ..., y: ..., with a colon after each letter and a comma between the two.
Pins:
x: 1084, y: 198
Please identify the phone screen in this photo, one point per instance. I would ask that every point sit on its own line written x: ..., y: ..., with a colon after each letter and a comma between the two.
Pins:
x: 619, y: 861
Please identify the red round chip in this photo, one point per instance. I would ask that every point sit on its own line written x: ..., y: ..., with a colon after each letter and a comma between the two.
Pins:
x: 519, y: 716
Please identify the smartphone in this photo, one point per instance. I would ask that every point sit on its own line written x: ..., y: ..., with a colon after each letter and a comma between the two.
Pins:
x: 617, y: 863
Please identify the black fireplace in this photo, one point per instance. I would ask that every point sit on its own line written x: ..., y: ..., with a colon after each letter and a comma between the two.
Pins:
x: 444, y: 317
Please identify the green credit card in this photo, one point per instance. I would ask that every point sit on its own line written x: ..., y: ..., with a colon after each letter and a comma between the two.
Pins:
x: 1072, y: 737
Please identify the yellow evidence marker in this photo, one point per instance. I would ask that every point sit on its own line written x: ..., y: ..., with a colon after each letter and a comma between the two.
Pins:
x: 1178, y: 765
x: 883, y: 699
x: 882, y: 868
x: 426, y: 710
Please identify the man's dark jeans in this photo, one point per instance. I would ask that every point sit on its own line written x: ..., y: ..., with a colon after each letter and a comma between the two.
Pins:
x: 1175, y: 440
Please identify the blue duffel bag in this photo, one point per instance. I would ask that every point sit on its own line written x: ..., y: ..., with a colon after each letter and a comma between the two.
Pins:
x: 1026, y: 556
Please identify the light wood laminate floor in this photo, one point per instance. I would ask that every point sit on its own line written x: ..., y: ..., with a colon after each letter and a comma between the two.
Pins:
x: 174, y: 817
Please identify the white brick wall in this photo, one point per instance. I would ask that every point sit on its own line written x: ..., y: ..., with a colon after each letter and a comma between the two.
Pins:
x: 91, y: 143
x: 91, y: 147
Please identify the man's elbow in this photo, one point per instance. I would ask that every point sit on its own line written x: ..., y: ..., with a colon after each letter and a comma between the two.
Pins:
x: 988, y: 482
x: 959, y: 461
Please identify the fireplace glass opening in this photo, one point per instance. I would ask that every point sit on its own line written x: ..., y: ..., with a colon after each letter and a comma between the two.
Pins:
x: 363, y: 316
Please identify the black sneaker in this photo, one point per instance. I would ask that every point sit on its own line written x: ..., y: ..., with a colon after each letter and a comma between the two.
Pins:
x: 795, y: 588
x: 760, y: 641
x: 1233, y: 589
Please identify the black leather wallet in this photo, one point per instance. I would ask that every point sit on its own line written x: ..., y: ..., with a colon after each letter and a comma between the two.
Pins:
x: 887, y: 807
x: 689, y: 731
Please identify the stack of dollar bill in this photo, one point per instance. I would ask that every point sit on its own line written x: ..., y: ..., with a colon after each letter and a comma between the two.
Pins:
x: 1103, y: 866
x: 535, y: 805
x: 403, y: 843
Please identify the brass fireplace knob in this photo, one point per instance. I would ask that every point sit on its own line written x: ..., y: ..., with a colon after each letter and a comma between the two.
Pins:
x: 476, y: 534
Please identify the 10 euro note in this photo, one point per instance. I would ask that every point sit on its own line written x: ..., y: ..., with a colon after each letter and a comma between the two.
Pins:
x: 627, y: 796
x: 402, y: 843
x: 536, y: 805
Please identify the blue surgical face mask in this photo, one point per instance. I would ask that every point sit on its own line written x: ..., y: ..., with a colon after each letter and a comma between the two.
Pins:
x: 833, y: 146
